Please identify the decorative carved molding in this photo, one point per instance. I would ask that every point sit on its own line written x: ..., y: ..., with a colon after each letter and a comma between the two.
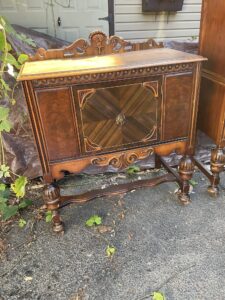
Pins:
x: 90, y: 146
x: 112, y: 76
x: 151, y: 134
x: 123, y: 160
x: 83, y: 96
x: 98, y: 44
x: 153, y: 86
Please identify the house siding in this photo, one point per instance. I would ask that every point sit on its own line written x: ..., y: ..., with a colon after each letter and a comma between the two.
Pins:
x: 132, y: 24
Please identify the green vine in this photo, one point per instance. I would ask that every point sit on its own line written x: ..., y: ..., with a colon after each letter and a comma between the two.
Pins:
x: 11, y: 194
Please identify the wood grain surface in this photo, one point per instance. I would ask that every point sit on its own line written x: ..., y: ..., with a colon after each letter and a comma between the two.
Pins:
x: 107, y: 63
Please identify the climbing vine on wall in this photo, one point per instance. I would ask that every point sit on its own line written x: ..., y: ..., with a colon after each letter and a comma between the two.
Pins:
x: 12, y: 186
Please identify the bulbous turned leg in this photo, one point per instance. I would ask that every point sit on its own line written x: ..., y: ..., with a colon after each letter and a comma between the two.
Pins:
x: 186, y: 169
x: 52, y: 201
x: 217, y: 165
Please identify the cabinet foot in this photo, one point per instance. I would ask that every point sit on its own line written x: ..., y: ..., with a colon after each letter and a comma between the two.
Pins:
x: 52, y: 201
x: 184, y: 198
x: 217, y: 165
x: 58, y: 225
x: 186, y: 169
x: 213, y: 191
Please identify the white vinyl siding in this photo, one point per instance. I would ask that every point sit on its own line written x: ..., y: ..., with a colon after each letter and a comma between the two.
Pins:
x: 132, y: 24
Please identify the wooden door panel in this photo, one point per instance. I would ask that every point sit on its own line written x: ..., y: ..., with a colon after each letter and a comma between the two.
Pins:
x: 118, y: 117
x: 81, y: 18
x: 177, y: 106
x: 58, y: 122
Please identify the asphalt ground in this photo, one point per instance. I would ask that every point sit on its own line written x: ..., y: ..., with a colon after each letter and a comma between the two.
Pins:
x: 160, y: 246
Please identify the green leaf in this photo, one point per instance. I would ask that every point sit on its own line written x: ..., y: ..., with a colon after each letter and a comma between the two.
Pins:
x: 9, y: 211
x: 5, y: 85
x: 22, y: 223
x: 9, y: 47
x: 4, y: 113
x: 158, y: 296
x: 93, y: 220
x: 26, y: 39
x: 22, y: 58
x: 13, y: 101
x: 19, y: 186
x: 4, y: 122
x: 5, y: 194
x: 10, y: 30
x: 48, y: 216
x: 25, y: 203
x: 2, y: 186
x: 5, y: 125
x: 193, y: 182
x: 2, y: 206
x: 4, y: 171
x: 110, y: 251
x: 30, y: 42
x: 2, y: 21
x: 132, y: 170
x: 10, y: 59
x: 2, y: 41
x: 3, y: 203
x: 4, y: 168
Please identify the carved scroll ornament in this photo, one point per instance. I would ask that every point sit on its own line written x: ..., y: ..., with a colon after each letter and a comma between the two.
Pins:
x: 123, y: 160
x: 99, y: 44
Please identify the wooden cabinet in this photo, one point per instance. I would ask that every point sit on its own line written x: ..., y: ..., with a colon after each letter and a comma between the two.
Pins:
x: 113, y: 108
x: 211, y: 118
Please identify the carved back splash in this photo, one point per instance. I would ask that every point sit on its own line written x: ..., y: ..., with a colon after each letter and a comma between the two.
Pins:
x: 99, y: 44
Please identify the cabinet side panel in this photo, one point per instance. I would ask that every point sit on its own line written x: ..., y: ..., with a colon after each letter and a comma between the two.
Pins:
x: 212, y: 42
x: 211, y: 109
x: 31, y: 105
x: 58, y: 122
x: 177, y: 106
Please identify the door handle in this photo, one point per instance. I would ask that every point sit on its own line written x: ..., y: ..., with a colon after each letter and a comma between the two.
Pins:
x: 105, y: 19
x: 59, y: 21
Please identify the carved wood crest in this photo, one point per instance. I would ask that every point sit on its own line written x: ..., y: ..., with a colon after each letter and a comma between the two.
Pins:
x: 123, y: 160
x: 98, y: 44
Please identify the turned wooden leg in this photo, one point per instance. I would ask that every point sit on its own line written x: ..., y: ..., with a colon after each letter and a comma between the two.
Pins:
x: 52, y: 201
x: 217, y: 165
x: 186, y: 169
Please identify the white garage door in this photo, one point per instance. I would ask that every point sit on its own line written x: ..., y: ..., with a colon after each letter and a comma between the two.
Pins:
x: 66, y: 19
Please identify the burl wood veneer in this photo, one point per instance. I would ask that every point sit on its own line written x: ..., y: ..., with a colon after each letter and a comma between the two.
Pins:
x: 211, y: 118
x: 105, y: 102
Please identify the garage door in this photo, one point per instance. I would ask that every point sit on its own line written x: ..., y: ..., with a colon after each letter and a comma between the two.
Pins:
x: 66, y: 19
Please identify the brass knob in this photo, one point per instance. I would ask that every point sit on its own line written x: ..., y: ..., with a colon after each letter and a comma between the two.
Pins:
x: 120, y: 119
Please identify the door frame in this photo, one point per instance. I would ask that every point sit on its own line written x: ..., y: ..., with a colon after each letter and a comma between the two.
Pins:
x: 111, y: 17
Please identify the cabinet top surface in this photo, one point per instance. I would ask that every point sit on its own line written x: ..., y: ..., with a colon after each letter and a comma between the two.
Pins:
x: 106, y: 63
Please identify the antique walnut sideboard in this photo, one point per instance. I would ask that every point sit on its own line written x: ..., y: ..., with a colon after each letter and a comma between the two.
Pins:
x: 211, y: 118
x: 111, y: 102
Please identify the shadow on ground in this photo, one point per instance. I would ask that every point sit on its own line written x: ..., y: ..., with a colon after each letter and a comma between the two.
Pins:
x: 160, y: 244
